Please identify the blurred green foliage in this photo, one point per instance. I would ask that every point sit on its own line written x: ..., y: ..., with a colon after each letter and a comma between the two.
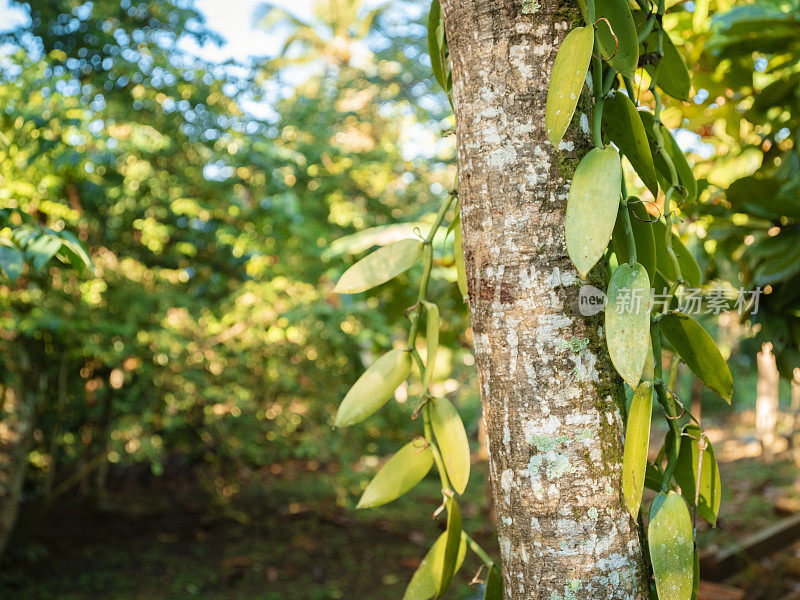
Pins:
x: 746, y: 114
x: 207, y: 333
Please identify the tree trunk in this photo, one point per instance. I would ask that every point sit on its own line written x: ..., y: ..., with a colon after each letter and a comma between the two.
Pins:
x: 16, y: 438
x: 551, y: 400
x: 795, y: 438
x: 767, y: 400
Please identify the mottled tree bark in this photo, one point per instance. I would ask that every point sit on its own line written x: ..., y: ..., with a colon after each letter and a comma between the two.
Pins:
x: 552, y: 402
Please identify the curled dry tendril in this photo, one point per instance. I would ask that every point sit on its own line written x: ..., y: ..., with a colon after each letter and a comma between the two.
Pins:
x: 614, y: 35
x: 653, y: 220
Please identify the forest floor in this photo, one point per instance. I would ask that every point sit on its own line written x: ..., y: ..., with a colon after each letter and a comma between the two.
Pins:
x: 286, y: 536
x: 281, y: 538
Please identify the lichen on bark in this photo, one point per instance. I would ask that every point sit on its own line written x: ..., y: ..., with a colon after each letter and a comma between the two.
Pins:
x: 551, y: 404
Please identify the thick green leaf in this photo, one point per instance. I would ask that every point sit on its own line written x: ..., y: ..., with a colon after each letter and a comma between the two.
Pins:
x: 642, y: 235
x: 456, y: 222
x: 379, y: 267
x: 566, y: 81
x: 698, y: 350
x: 458, y: 252
x: 382, y: 235
x: 434, y: 22
x: 451, y: 438
x: 653, y: 477
x: 668, y: 445
x: 628, y: 321
x: 624, y: 52
x: 683, y: 170
x: 690, y: 270
x: 375, y: 386
x: 451, y: 547
x: 671, y: 548
x: 494, y: 584
x: 686, y: 474
x: 432, y: 342
x: 425, y: 582
x: 12, y: 262
x: 637, y: 439
x: 623, y: 126
x: 592, y: 207
x: 400, y: 473
x: 671, y: 74
x: 648, y: 373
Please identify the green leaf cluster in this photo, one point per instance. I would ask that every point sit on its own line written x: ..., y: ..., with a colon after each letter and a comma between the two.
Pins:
x: 642, y: 251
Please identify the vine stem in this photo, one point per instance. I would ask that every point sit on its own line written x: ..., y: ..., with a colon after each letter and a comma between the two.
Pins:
x: 476, y: 548
x: 664, y: 398
x: 417, y: 359
x: 608, y: 81
x: 701, y: 450
x: 590, y: 10
x: 674, y: 184
x: 648, y: 27
x: 416, y: 315
x: 626, y: 218
x: 629, y: 88
x: 667, y: 403
x: 673, y: 373
x: 427, y: 429
x: 447, y: 489
x: 422, y: 296
x: 597, y: 91
x: 655, y: 337
x: 445, y: 480
x: 412, y: 334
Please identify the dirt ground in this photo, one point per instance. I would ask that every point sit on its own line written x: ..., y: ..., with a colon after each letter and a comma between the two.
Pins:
x: 287, y: 534
x: 283, y: 537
